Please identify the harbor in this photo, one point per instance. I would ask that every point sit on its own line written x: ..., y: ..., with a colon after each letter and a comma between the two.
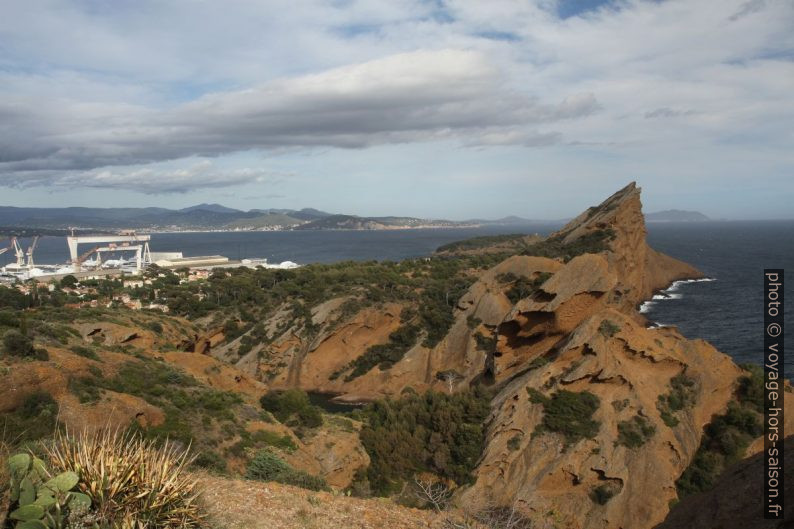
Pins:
x: 125, y: 253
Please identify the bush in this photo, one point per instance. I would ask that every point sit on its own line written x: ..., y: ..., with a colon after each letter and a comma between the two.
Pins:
x: 210, y: 460
x: 17, y: 344
x: 553, y: 247
x: 385, y: 355
x: 130, y: 481
x: 34, y: 419
x: 292, y: 405
x: 724, y: 442
x: 267, y: 466
x: 568, y: 413
x: 85, y: 389
x: 683, y: 392
x: 85, y: 352
x: 635, y: 432
x: 608, y: 328
x: 434, y: 432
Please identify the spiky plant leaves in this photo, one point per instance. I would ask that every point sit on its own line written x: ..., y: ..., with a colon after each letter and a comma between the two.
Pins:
x: 63, y: 482
x: 27, y: 492
x: 31, y: 524
x: 28, y: 512
x: 18, y: 465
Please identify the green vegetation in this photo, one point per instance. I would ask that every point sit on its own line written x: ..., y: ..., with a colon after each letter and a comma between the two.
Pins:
x: 85, y: 352
x: 17, y: 344
x: 726, y: 437
x: 383, y: 355
x: 293, y: 408
x: 521, y: 287
x: 40, y: 499
x: 682, y: 395
x: 553, y: 247
x: 434, y: 432
x: 35, y: 419
x: 486, y: 241
x: 635, y: 432
x: 267, y: 466
x: 568, y: 413
x: 514, y: 443
x: 608, y: 328
x: 123, y: 477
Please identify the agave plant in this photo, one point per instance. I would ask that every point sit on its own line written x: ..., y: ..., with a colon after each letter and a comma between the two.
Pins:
x: 130, y: 481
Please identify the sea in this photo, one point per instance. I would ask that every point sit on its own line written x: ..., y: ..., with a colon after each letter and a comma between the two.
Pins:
x: 726, y: 310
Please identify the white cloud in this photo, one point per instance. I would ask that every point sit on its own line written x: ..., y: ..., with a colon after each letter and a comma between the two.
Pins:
x: 86, y: 87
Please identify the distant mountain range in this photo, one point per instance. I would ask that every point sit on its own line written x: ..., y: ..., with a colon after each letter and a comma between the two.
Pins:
x: 219, y: 217
x: 676, y: 215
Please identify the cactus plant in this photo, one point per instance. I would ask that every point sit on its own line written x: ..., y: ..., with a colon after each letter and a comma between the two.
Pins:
x: 42, y: 500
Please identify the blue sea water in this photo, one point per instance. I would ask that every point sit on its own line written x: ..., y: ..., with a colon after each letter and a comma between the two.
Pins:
x: 728, y: 312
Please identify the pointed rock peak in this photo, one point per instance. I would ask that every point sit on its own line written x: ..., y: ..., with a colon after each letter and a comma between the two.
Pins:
x: 622, y: 211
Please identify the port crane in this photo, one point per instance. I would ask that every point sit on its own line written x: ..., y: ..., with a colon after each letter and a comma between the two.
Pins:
x: 30, y: 251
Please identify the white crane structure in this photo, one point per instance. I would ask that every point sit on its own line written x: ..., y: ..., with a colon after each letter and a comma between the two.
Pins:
x: 30, y: 251
x: 20, y: 255
x: 126, y: 241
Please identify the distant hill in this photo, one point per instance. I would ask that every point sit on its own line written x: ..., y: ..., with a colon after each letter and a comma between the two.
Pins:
x: 352, y: 222
x: 214, y: 208
x: 269, y: 220
x: 675, y: 215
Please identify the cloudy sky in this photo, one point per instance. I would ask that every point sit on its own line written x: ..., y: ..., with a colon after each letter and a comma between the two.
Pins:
x: 436, y: 108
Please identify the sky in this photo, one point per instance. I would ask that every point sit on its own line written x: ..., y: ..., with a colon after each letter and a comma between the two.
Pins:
x: 433, y: 108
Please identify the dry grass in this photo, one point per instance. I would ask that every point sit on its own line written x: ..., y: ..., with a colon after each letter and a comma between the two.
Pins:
x: 237, y: 504
x: 131, y: 482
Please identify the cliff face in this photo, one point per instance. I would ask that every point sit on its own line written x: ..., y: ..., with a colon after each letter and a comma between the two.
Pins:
x: 580, y: 333
x: 574, y: 334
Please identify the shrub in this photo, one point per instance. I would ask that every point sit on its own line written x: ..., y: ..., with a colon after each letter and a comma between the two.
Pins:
x: 385, y: 355
x: 635, y: 432
x: 85, y: 389
x: 569, y: 413
x: 683, y: 392
x: 210, y: 460
x: 155, y: 326
x: 434, y: 432
x: 724, y: 442
x: 608, y: 328
x: 292, y: 405
x: 34, y: 419
x: 17, y: 344
x: 553, y: 247
x: 85, y: 352
x: 130, y: 481
x: 267, y: 466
